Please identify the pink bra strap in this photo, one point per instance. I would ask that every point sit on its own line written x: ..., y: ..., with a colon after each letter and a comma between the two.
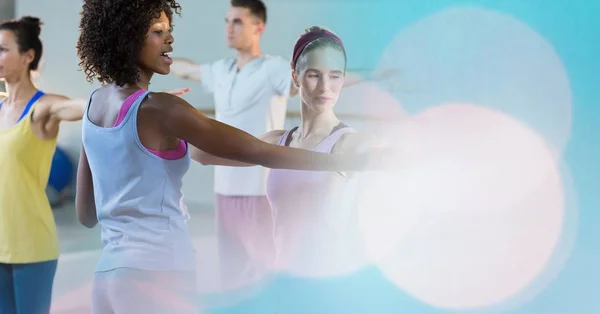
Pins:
x: 126, y: 105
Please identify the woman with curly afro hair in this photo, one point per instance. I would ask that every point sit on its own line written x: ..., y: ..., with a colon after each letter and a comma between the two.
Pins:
x: 135, y: 154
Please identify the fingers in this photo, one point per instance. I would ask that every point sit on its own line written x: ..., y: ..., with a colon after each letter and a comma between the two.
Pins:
x: 179, y: 92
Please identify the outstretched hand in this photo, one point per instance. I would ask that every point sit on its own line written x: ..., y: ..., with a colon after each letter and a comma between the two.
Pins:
x: 179, y: 92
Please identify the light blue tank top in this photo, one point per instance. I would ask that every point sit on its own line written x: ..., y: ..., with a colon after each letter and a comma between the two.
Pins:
x: 139, y: 201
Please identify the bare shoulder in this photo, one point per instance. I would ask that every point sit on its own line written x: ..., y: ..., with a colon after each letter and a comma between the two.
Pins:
x: 53, y: 97
x: 163, y: 102
x: 49, y: 99
x: 272, y: 137
x: 167, y: 112
x: 44, y: 104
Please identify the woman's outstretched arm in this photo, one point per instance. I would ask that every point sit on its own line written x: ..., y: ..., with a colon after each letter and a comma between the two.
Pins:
x: 177, y: 118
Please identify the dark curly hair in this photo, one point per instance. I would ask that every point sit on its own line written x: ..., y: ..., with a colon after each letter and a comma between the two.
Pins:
x: 111, y: 35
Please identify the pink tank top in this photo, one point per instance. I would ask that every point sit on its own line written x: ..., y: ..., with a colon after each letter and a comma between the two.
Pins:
x: 305, y: 208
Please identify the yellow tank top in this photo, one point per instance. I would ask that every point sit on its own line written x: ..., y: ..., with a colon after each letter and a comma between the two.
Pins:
x: 27, y: 228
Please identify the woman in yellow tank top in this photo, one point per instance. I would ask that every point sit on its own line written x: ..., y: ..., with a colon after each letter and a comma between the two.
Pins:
x: 29, y: 121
